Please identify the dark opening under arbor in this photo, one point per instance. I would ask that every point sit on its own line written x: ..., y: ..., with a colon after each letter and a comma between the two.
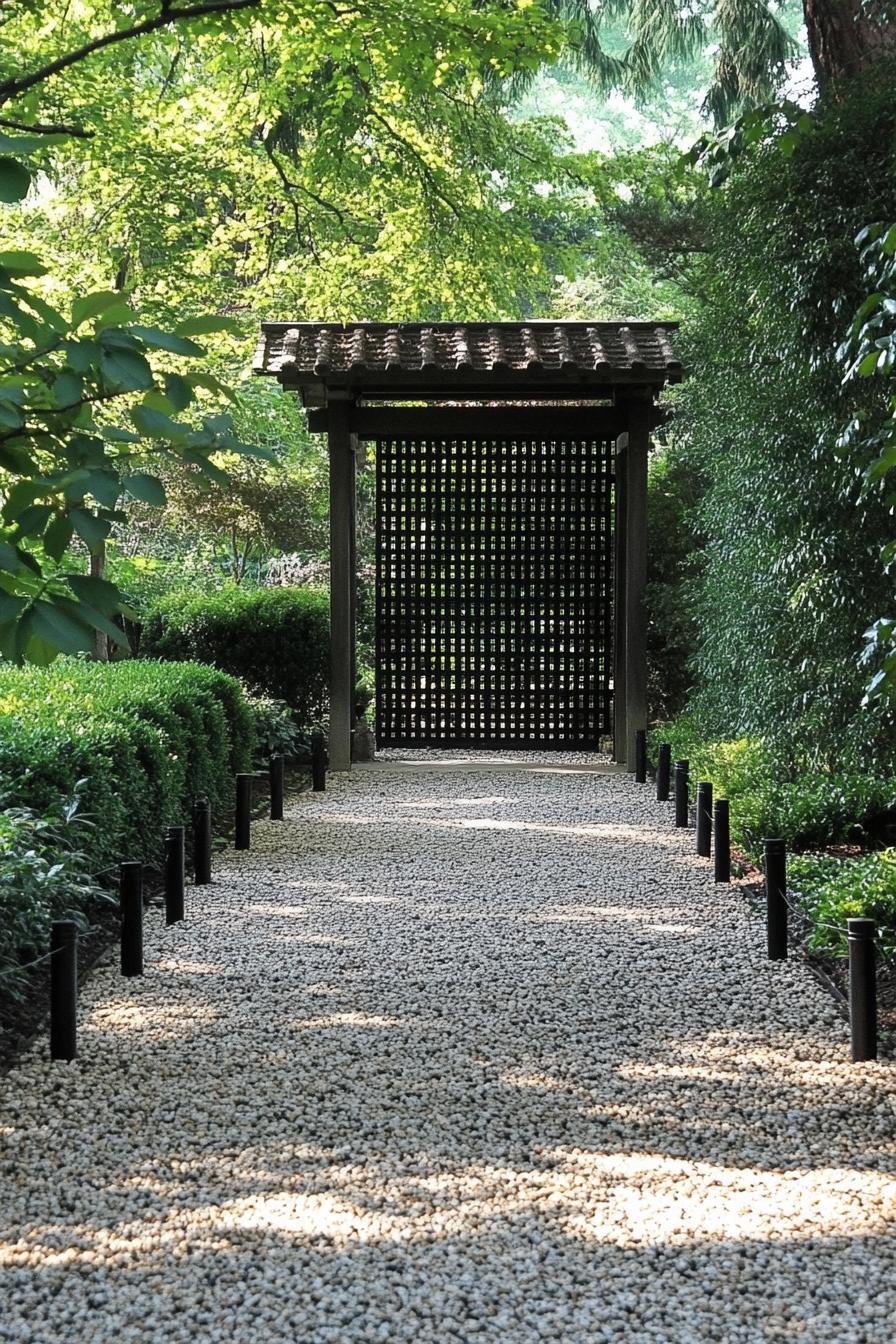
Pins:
x: 511, y: 468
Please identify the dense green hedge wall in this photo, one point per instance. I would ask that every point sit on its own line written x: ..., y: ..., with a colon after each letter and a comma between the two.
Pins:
x: 275, y: 639
x: 146, y: 737
x: 789, y: 571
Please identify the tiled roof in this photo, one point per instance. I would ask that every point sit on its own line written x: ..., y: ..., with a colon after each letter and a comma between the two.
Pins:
x: 303, y: 354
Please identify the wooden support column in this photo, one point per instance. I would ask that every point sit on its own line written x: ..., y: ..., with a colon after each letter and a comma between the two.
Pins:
x: 619, y: 607
x: 342, y: 583
x: 634, y: 609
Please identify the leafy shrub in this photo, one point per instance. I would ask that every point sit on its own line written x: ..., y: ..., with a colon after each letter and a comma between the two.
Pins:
x: 833, y: 890
x: 806, y: 806
x: 276, y: 730
x: 44, y: 875
x: 274, y: 639
x: 146, y: 738
x: 790, y: 573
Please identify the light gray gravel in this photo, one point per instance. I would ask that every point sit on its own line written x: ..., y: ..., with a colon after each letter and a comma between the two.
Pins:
x: 480, y: 1055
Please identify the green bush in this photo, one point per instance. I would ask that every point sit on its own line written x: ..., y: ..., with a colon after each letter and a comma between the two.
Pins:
x: 275, y: 639
x: 807, y: 806
x: 276, y: 730
x: 833, y: 890
x: 44, y: 875
x: 145, y: 739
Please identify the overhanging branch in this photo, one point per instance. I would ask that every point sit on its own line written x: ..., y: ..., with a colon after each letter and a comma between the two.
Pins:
x: 170, y: 14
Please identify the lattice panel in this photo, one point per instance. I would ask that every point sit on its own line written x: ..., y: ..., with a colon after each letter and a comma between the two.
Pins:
x: 494, y: 596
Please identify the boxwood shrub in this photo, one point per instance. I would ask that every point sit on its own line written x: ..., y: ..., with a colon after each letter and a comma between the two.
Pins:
x: 275, y: 639
x: 145, y: 737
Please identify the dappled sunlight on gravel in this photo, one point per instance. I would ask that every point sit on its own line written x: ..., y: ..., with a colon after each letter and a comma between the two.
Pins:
x: 452, y: 1057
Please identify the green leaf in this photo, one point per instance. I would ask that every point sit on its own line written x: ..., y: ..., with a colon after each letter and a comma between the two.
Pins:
x: 82, y: 355
x: 104, y: 486
x: 178, y: 391
x: 92, y: 530
x: 115, y: 316
x: 19, y: 497
x: 32, y: 521
x: 15, y: 180
x: 22, y: 263
x: 59, y: 629
x: 10, y: 416
x: 113, y: 434
x: 125, y: 371
x: 11, y: 607
x: 147, y: 488
x: 92, y: 305
x: 157, y: 425
x: 85, y: 611
x: 204, y: 326
x: 9, y: 560
x: 68, y: 389
x: 208, y: 469
x: 98, y: 593
x: 57, y: 536
x: 157, y: 339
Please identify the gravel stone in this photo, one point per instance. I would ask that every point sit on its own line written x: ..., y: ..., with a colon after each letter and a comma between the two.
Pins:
x: 474, y: 1054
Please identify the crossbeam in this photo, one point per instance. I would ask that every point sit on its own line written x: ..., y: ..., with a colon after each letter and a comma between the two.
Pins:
x: 439, y: 423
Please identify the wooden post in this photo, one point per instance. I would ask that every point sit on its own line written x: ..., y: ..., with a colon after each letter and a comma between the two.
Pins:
x: 619, y: 555
x: 342, y: 509
x: 635, y: 613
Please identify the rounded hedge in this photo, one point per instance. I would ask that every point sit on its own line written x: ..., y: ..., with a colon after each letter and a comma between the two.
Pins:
x: 146, y: 739
x: 275, y: 639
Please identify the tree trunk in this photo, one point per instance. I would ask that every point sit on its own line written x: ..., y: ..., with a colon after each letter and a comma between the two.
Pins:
x: 845, y: 39
x: 97, y: 570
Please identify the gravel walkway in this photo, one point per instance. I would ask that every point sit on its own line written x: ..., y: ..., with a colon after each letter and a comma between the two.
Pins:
x: 471, y: 1056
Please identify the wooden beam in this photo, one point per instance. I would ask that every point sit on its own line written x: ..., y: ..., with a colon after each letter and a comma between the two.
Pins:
x: 467, y: 422
x: 620, y: 678
x: 636, y: 574
x: 342, y: 603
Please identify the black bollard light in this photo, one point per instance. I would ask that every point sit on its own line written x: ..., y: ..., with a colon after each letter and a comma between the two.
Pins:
x: 318, y: 763
x: 775, y: 860
x: 663, y: 768
x: 277, y: 773
x: 243, y: 811
x: 862, y: 988
x: 722, y: 840
x: 704, y: 818
x: 641, y: 756
x: 131, y: 897
x: 682, y: 785
x: 202, y: 842
x: 63, y: 989
x: 174, y: 874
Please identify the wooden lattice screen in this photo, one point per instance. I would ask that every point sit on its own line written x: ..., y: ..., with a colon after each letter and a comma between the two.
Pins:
x: 494, y: 592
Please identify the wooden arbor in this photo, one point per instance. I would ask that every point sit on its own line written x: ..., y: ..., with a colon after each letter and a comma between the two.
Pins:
x: 545, y: 384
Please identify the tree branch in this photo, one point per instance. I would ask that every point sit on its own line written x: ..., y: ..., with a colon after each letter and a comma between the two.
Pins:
x: 11, y: 88
x: 41, y: 128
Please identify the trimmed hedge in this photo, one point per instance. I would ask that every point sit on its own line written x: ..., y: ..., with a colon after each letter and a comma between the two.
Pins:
x: 145, y: 737
x: 274, y: 639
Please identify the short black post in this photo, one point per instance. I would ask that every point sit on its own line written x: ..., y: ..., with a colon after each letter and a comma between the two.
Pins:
x: 681, y: 792
x: 704, y: 819
x: 641, y: 756
x: 277, y: 772
x: 243, y: 811
x: 775, y: 852
x: 663, y: 768
x: 862, y: 988
x: 63, y: 989
x: 318, y: 763
x: 202, y: 842
x: 131, y: 896
x: 174, y: 874
x: 722, y: 840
